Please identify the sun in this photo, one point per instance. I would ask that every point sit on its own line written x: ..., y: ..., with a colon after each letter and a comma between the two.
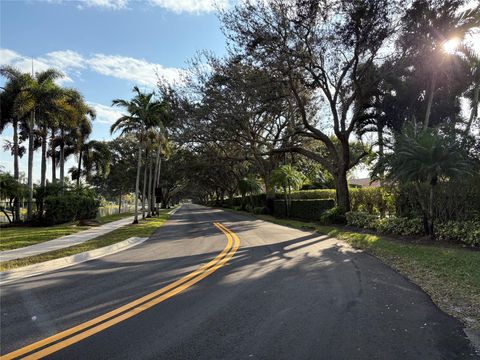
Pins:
x: 450, y: 46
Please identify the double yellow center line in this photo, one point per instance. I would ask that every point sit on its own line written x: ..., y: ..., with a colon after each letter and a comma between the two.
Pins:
x: 77, y: 333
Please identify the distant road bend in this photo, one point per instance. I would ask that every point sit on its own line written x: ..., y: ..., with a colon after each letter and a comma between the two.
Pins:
x: 212, y: 284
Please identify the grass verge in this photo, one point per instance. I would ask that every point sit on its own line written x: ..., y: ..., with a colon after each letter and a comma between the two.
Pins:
x: 144, y: 228
x: 450, y: 275
x: 21, y: 236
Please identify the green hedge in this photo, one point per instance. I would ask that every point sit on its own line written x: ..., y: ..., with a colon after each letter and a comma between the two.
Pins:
x: 457, y: 200
x: 387, y: 225
x: 69, y: 207
x: 307, y: 209
x: 374, y: 200
x: 467, y: 232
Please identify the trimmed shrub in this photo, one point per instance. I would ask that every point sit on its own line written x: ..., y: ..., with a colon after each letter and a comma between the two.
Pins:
x: 311, y: 194
x: 457, y: 200
x: 467, y: 232
x: 69, y: 207
x: 400, y: 226
x: 389, y: 225
x: 260, y: 210
x: 304, y: 209
x: 374, y: 200
x: 334, y: 215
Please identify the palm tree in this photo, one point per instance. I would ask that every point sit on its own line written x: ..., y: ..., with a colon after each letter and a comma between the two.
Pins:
x: 290, y: 179
x: 74, y: 111
x: 144, y: 113
x: 473, y: 61
x: 423, y: 159
x: 32, y: 100
x: 16, y: 83
x: 248, y: 185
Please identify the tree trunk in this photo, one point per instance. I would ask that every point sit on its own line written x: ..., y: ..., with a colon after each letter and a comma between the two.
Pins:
x: 16, y: 174
x: 473, y: 113
x: 158, y: 178
x: 43, y: 169
x: 343, y: 200
x: 342, y: 195
x: 144, y: 183
x: 120, y: 203
x: 79, y: 165
x: 54, y: 156
x: 430, y: 214
x: 137, y: 182
x: 426, y: 121
x: 380, y: 151
x: 62, y: 157
x: 149, y: 213
x: 30, y: 169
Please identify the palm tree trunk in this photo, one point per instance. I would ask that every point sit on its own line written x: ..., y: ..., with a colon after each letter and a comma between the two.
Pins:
x: 380, y: 150
x: 158, y: 177
x: 43, y: 169
x: 137, y: 182
x: 79, y: 166
x: 16, y: 175
x: 473, y: 113
x: 430, y: 214
x: 30, y: 168
x: 144, y: 184
x: 54, y: 156
x: 429, y: 101
x: 62, y: 158
x: 150, y: 165
x: 155, y: 179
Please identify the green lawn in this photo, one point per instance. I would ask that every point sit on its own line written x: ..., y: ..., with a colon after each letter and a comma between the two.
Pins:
x: 144, y: 228
x: 21, y: 236
x: 450, y: 275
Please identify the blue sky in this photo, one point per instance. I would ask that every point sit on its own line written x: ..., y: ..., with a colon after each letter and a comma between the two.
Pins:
x: 104, y: 47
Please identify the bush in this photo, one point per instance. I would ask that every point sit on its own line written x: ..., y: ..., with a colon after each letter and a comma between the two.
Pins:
x: 69, y: 206
x: 457, y: 200
x: 334, y: 215
x: 304, y: 209
x: 374, y: 200
x: 467, y: 232
x: 388, y: 225
x: 260, y: 210
x: 361, y: 219
x: 311, y: 194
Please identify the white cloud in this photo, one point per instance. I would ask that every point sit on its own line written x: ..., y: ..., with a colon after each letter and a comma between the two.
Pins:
x: 106, y: 4
x: 136, y: 71
x: 105, y: 114
x: 190, y: 6
x: 64, y: 59
x: 25, y: 64
x: 176, y: 6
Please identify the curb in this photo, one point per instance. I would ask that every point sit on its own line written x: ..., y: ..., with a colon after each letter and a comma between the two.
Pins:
x: 56, y: 264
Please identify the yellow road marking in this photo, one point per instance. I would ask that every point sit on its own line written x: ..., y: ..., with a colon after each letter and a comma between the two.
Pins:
x: 132, y: 308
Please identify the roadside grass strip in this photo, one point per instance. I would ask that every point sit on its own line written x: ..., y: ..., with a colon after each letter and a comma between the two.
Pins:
x: 21, y: 236
x: 77, y: 333
x: 144, y: 228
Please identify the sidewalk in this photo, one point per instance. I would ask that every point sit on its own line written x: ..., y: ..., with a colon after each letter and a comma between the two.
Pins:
x: 64, y: 241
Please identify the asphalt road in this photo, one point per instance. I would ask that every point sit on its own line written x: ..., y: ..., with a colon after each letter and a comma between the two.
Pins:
x: 285, y: 294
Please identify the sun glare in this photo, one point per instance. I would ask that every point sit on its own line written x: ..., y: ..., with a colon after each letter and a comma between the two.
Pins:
x: 450, y: 46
